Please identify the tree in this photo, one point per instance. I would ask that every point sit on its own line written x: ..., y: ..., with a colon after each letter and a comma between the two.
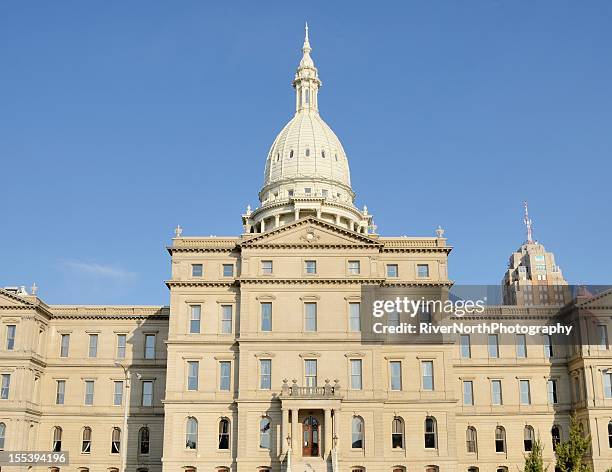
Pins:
x: 570, y: 454
x: 534, y: 461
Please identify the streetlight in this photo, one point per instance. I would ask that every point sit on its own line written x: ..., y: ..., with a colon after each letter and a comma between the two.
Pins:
x: 126, y: 401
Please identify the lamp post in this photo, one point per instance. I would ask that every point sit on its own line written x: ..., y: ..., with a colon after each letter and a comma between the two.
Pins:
x: 126, y: 403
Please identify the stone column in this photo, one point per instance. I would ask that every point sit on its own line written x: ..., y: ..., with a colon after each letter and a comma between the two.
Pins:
x: 296, y: 436
x: 336, y: 429
x: 277, y: 221
x: 337, y: 219
x: 297, y: 214
x: 263, y: 225
x: 285, y: 431
x: 328, y: 432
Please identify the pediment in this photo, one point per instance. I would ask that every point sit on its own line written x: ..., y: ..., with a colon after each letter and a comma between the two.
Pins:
x: 600, y: 301
x: 310, y: 232
x: 8, y: 299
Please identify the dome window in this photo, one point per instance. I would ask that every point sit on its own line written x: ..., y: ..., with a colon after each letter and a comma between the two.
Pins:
x: 323, y: 153
x: 291, y: 153
x: 307, y: 152
x: 277, y: 156
x: 336, y: 157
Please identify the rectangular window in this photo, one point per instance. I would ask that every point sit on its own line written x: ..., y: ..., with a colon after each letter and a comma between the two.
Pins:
x: 548, y: 347
x: 193, y: 372
x: 225, y: 370
x: 525, y: 392
x: 93, y: 345
x: 310, y: 372
x: 121, y: 338
x: 468, y: 393
x: 118, y: 393
x: 354, y: 268
x: 521, y: 346
x: 425, y: 314
x: 493, y: 346
x: 395, y: 368
x: 602, y: 336
x: 607, y: 385
x: 226, y: 319
x: 427, y: 380
x: 392, y: 270
x: 266, y: 316
x: 356, y: 374
x: 149, y: 352
x: 89, y: 392
x: 147, y: 393
x: 496, y: 392
x: 310, y: 317
x: 422, y: 271
x: 265, y: 374
x: 10, y: 337
x: 65, y: 345
x: 6, y: 386
x: 466, y: 349
x: 194, y: 319
x: 60, y: 392
x: 228, y: 270
x: 266, y: 267
x: 310, y: 267
x: 196, y: 270
x: 354, y: 318
x: 552, y: 392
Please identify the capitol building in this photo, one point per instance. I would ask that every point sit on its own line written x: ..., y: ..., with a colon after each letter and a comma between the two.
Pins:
x: 258, y: 362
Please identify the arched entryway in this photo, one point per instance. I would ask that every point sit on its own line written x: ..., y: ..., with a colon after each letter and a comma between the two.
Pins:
x: 311, y: 437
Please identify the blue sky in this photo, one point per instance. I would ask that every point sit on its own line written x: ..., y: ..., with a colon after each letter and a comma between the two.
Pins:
x: 119, y: 120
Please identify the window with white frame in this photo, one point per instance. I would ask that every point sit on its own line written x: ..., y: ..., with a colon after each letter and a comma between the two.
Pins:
x: 10, y: 337
x: 89, y: 392
x: 147, y: 393
x: 121, y: 341
x: 193, y: 374
x: 354, y: 317
x: 468, y: 393
x: 60, y: 392
x: 266, y: 316
x: 64, y: 345
x: 525, y: 392
x: 149, y: 348
x: 195, y: 316
x: 354, y: 267
x: 6, y: 386
x: 395, y: 373
x: 225, y: 370
x: 265, y: 374
x: 310, y: 316
x: 93, y: 345
x: 226, y: 319
x: 496, y: 392
x: 356, y: 380
x: 427, y: 379
x: 310, y: 372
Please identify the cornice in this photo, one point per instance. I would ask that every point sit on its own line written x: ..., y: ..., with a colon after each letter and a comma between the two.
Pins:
x: 201, y: 283
x: 312, y: 280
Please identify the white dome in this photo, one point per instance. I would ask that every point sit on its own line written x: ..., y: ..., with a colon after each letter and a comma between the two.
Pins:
x: 307, y: 172
x: 307, y: 148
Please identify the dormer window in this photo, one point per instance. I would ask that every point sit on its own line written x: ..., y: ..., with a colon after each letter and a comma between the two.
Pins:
x: 307, y: 152
x: 291, y: 154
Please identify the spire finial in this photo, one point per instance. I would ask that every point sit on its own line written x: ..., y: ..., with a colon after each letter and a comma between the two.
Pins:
x: 528, y: 222
x: 306, y: 47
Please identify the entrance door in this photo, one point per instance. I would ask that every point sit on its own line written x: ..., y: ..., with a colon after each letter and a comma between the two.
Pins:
x: 310, y: 436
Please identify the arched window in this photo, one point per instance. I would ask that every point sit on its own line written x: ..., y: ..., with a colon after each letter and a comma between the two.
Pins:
x: 57, y: 439
x: 144, y: 440
x: 54, y: 469
x: 432, y: 468
x: 357, y: 432
x: 528, y: 438
x: 397, y: 433
x: 399, y: 468
x: 2, y: 435
x: 502, y: 468
x: 224, y: 433
x: 86, y: 442
x: 116, y: 441
x: 500, y: 439
x: 190, y: 469
x: 472, y: 469
x: 191, y: 433
x: 431, y: 440
x: 555, y: 432
x: 471, y: 440
x: 264, y: 433
x: 609, y: 435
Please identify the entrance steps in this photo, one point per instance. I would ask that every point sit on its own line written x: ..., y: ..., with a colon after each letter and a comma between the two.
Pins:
x: 311, y: 464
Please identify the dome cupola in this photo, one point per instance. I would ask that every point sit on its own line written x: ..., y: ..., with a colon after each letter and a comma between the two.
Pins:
x: 307, y: 171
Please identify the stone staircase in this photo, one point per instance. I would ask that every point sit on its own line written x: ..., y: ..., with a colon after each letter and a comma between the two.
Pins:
x: 311, y: 464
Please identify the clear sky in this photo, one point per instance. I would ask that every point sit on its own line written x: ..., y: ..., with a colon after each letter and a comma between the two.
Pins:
x: 119, y: 120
